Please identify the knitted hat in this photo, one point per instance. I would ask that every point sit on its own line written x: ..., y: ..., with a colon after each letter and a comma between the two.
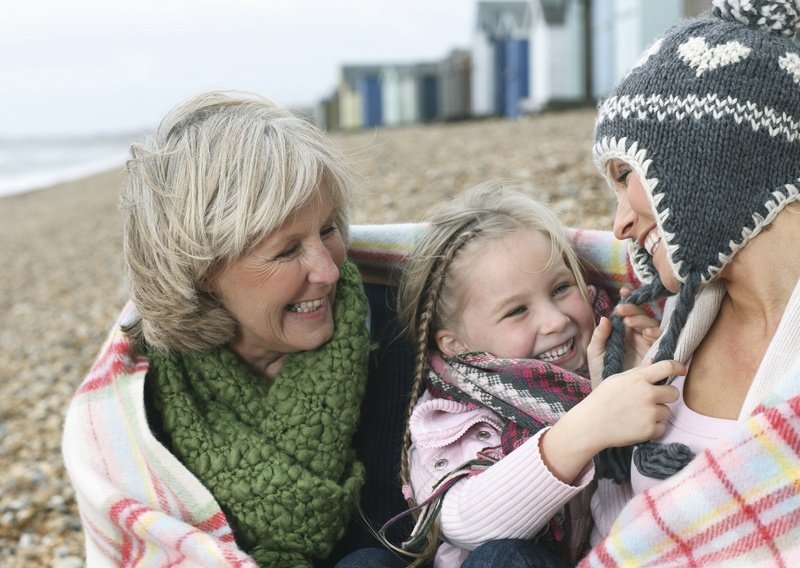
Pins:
x: 709, y: 118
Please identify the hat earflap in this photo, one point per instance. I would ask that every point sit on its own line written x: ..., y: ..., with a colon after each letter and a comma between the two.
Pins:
x: 652, y: 459
x: 615, y: 347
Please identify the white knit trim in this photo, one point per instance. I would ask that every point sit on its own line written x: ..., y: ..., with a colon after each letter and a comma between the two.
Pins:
x: 774, y: 205
x: 662, y: 107
x: 791, y: 64
x: 702, y: 57
x: 610, y: 149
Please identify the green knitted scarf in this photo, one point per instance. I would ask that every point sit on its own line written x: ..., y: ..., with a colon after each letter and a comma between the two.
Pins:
x: 276, y: 457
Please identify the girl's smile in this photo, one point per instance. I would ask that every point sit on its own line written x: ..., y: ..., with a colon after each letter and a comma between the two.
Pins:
x: 521, y: 303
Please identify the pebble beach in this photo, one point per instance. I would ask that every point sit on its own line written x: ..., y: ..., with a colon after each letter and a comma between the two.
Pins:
x: 61, y: 283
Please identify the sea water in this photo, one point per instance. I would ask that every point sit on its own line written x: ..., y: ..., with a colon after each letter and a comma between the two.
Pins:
x: 28, y: 164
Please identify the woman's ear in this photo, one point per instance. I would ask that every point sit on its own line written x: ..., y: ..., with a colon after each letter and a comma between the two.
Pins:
x: 208, y: 283
x: 449, y: 343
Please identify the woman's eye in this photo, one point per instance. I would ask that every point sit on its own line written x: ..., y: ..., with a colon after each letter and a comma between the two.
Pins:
x: 288, y: 252
x: 622, y: 177
x: 328, y: 230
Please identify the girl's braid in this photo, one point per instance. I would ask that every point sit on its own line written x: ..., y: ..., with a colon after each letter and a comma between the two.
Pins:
x: 421, y: 326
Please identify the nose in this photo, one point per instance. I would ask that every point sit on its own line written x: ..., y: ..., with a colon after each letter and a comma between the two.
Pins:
x: 322, y: 267
x: 554, y: 320
x: 624, y: 219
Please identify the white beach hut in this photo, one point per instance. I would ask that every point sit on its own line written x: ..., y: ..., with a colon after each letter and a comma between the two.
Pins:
x: 400, y: 96
x: 557, y: 53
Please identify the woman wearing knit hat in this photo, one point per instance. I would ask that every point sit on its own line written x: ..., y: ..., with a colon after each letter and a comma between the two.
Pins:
x: 701, y: 142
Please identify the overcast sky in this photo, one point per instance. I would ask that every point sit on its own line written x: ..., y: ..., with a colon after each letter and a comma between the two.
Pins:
x: 104, y: 66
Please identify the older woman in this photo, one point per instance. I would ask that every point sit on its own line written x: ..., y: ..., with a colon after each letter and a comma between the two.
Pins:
x: 216, y: 426
x: 701, y: 142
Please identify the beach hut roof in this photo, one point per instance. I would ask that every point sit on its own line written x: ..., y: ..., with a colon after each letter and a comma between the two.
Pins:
x: 554, y: 11
x: 503, y: 19
x: 351, y: 73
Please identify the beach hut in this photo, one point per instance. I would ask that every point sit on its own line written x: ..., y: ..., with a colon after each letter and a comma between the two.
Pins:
x: 327, y: 115
x: 400, y: 94
x: 359, y: 96
x: 369, y: 87
x: 500, y: 58
x: 557, y: 54
x: 454, y: 81
x: 428, y: 88
x: 622, y: 29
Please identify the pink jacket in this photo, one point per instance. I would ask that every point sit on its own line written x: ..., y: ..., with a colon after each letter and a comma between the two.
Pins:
x: 514, y: 498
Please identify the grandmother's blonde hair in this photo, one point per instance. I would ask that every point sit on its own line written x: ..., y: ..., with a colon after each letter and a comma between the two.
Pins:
x: 431, y: 292
x: 223, y: 170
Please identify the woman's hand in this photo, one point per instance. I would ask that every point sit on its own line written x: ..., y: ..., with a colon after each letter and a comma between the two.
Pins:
x: 624, y: 409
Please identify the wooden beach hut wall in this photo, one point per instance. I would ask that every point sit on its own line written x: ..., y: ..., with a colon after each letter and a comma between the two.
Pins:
x: 327, y: 112
x: 557, y: 67
x: 623, y: 29
x: 499, y: 58
x: 369, y: 87
x: 349, y: 100
x: 454, y: 77
x: 428, y: 87
x: 400, y: 94
x: 482, y: 76
x: 603, y: 47
x: 515, y: 79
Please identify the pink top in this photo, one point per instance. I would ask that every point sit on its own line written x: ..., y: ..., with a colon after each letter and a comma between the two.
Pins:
x: 686, y: 426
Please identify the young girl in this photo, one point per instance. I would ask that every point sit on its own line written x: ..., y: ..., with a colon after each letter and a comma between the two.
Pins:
x: 501, y: 320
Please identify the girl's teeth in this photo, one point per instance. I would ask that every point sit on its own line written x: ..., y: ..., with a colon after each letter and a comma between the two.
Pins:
x: 557, y: 353
x: 305, y: 307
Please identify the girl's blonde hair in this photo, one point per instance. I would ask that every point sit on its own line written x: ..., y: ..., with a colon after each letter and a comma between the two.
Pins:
x: 223, y: 170
x: 431, y: 292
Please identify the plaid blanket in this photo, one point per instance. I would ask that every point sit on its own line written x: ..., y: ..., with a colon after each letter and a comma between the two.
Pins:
x: 382, y: 250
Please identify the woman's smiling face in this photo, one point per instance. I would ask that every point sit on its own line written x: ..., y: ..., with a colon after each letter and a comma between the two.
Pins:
x: 636, y: 220
x: 281, y: 292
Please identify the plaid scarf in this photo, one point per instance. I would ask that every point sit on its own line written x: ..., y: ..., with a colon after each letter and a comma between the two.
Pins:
x: 527, y: 394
